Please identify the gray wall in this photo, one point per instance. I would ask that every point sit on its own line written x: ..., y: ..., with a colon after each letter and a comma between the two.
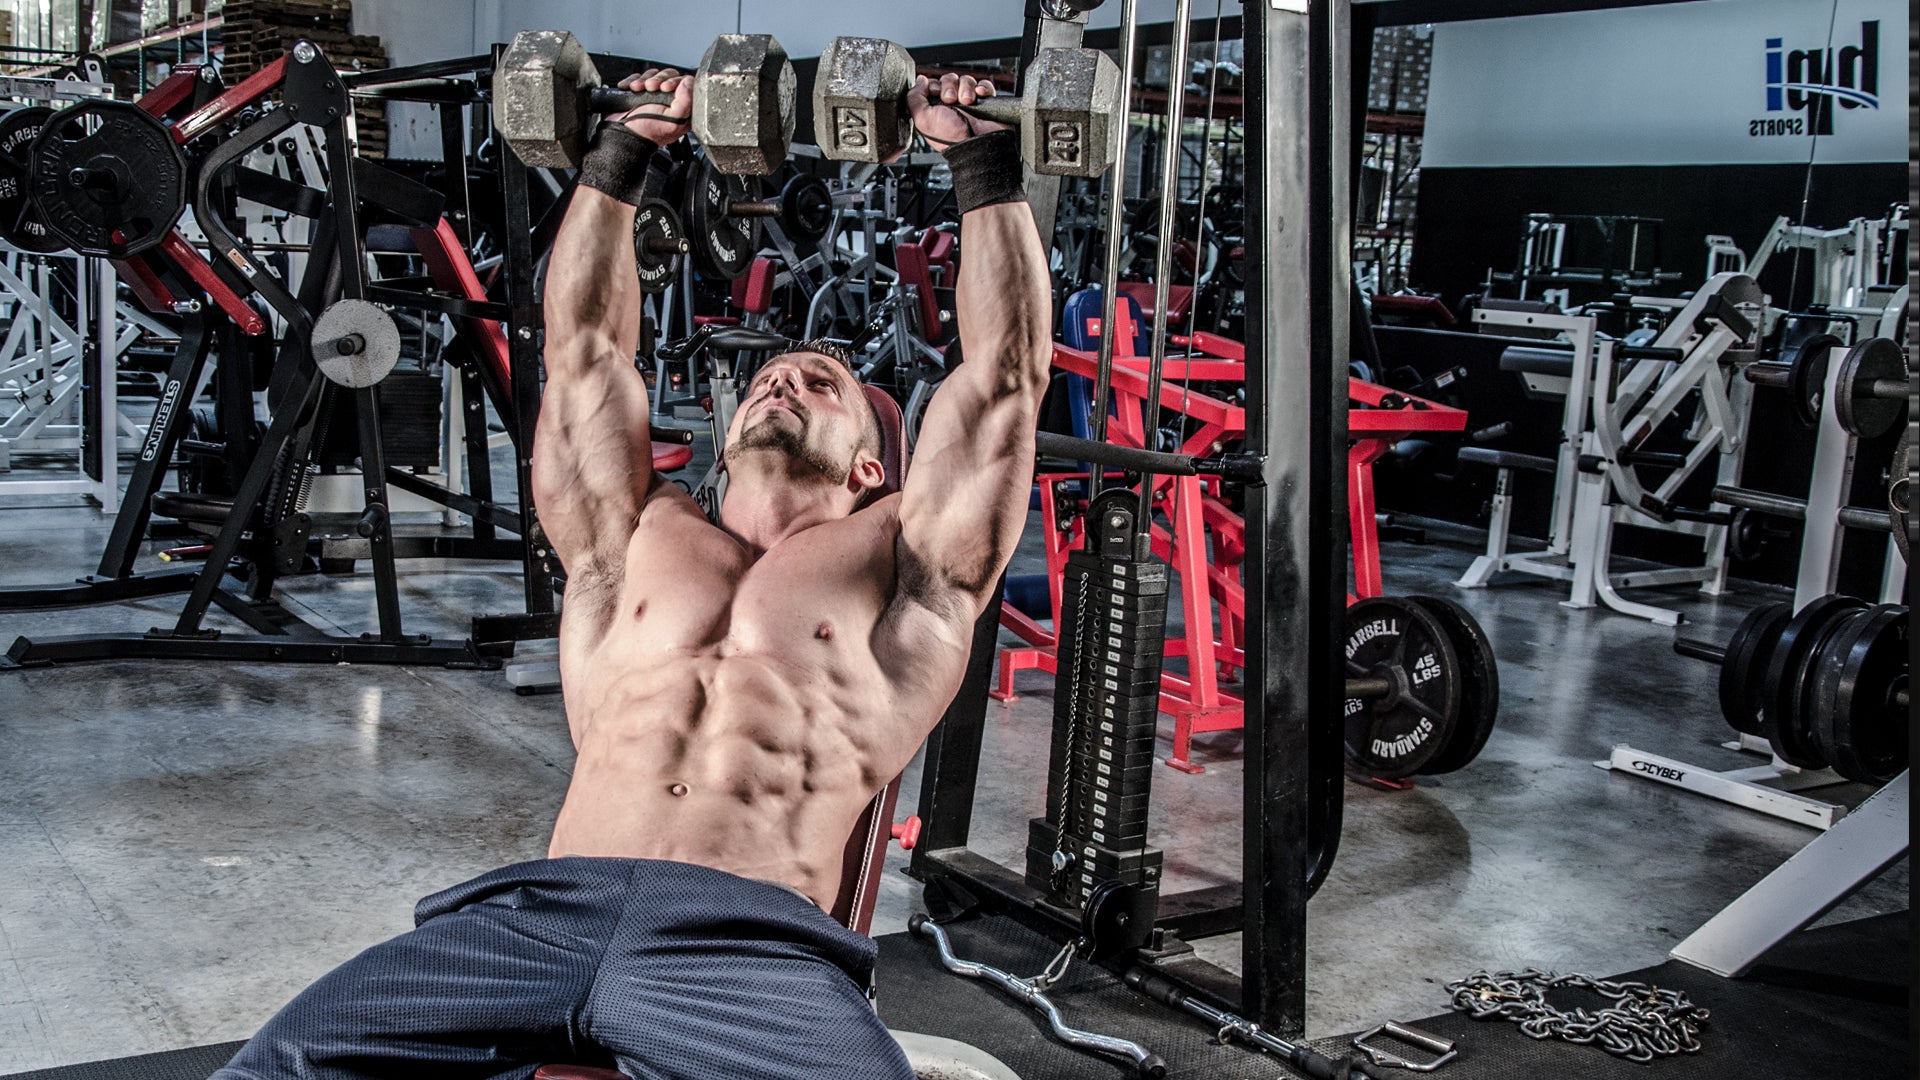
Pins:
x: 420, y: 30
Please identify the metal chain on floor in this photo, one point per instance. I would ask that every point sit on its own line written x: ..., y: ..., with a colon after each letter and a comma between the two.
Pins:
x: 1642, y: 1022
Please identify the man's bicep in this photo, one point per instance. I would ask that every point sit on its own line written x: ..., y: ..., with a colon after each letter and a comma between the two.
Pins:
x: 592, y: 459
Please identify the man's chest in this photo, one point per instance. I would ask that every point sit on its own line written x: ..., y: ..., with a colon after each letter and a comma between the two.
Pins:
x: 690, y: 586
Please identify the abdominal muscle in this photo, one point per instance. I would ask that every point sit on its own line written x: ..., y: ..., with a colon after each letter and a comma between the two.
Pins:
x: 743, y: 763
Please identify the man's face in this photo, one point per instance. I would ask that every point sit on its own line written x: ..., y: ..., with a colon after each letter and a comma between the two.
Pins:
x: 807, y: 407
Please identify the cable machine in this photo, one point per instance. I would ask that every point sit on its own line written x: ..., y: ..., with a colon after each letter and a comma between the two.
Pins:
x: 1090, y: 880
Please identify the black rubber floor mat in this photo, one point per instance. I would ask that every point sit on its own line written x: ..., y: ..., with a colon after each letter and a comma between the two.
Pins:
x: 193, y: 1063
x: 1826, y: 1003
x: 1831, y: 1002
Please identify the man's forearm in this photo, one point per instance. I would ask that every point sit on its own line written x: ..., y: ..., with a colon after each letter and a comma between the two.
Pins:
x: 1004, y: 296
x: 592, y: 300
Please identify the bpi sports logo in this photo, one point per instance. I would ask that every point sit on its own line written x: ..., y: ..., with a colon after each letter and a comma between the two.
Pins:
x: 1810, y: 81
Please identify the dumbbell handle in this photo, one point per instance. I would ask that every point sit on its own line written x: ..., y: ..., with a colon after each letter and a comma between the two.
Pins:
x: 1001, y: 110
x: 612, y: 99
x: 661, y: 245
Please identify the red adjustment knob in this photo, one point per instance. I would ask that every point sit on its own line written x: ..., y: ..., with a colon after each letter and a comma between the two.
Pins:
x: 908, y: 832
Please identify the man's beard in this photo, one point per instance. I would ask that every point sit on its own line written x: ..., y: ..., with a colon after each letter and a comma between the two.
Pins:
x: 766, y: 436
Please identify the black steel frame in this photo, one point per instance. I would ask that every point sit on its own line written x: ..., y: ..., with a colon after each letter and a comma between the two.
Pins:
x: 113, y: 580
x: 452, y: 86
x: 1298, y: 108
x: 312, y: 93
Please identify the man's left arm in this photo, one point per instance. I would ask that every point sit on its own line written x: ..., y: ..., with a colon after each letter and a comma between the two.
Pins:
x: 965, y: 499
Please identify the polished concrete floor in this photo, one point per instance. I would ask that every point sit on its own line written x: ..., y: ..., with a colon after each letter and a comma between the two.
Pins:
x: 185, y: 846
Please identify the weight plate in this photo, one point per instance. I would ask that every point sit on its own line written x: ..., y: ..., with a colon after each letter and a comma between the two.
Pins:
x: 1743, y: 672
x: 1746, y: 535
x: 1858, y: 411
x: 1399, y: 734
x: 107, y: 178
x: 806, y: 208
x: 1807, y: 375
x: 723, y: 244
x: 1783, y: 718
x: 1859, y: 722
x: 657, y: 239
x: 355, y: 344
x: 1479, y: 690
x: 20, y: 226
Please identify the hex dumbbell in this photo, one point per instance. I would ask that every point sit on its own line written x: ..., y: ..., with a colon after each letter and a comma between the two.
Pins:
x: 546, y: 88
x: 1065, y: 118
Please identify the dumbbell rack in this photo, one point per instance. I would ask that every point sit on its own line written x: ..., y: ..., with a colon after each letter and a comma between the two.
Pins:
x: 1775, y: 787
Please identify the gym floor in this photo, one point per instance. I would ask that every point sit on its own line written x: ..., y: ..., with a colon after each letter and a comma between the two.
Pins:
x: 186, y: 846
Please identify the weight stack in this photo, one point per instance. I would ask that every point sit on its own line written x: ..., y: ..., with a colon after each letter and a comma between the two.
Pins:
x: 1106, y: 706
x: 410, y: 418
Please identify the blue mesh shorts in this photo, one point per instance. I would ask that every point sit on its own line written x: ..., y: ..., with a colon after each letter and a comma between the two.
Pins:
x: 663, y: 969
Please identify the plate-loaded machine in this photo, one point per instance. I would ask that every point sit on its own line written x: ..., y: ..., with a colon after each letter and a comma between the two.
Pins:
x: 338, y: 342
x: 1617, y: 396
x: 1090, y: 880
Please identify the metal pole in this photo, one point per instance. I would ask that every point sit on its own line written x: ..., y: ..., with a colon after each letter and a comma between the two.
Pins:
x: 1170, y: 152
x: 1116, y: 224
x: 105, y: 323
x: 1298, y: 211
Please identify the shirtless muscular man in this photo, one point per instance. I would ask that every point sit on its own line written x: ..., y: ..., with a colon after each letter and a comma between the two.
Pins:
x: 737, y: 692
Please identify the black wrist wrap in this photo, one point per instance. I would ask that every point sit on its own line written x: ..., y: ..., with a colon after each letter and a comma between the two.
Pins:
x: 616, y: 163
x: 986, y: 170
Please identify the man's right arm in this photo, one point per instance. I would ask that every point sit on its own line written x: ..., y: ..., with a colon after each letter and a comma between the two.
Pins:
x: 592, y: 457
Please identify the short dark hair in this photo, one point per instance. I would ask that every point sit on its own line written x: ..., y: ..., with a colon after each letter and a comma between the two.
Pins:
x: 829, y: 348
